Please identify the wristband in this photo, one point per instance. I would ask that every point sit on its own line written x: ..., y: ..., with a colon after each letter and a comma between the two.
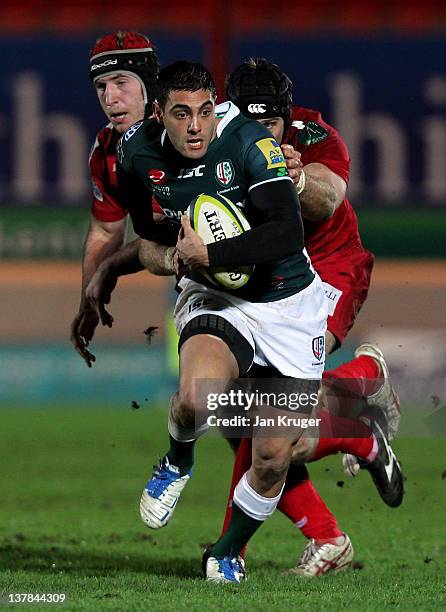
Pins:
x: 300, y: 186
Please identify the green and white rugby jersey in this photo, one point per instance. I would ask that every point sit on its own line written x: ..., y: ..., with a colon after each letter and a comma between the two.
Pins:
x: 242, y: 155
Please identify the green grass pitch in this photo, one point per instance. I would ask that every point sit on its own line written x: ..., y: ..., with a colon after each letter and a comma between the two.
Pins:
x: 69, y: 522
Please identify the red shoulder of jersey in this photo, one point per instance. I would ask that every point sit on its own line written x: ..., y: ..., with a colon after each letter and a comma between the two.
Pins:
x: 105, y: 204
x: 317, y: 141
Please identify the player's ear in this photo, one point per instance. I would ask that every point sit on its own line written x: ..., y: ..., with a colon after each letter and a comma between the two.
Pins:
x: 157, y: 111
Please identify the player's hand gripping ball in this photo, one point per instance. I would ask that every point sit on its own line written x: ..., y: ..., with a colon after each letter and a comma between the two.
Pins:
x: 215, y: 218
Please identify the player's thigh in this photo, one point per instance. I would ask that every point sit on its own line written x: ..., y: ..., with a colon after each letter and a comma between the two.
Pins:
x: 346, y: 278
x: 215, y: 344
x: 206, y: 356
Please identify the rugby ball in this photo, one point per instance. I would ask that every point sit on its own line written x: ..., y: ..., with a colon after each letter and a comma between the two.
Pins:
x: 214, y: 218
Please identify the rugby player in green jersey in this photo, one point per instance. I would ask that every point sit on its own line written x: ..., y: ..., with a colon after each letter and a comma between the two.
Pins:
x: 273, y: 320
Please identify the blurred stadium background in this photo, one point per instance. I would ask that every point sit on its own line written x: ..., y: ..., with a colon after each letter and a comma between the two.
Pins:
x: 376, y: 70
x: 73, y: 453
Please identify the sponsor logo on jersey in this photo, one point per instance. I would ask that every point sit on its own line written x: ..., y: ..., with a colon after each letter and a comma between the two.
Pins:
x: 162, y: 190
x: 109, y: 62
x: 190, y: 172
x: 257, y: 109
x: 318, y: 347
x: 272, y: 153
x: 278, y: 282
x: 97, y: 192
x: 157, y: 176
x: 224, y: 172
x: 129, y: 133
x: 282, y: 172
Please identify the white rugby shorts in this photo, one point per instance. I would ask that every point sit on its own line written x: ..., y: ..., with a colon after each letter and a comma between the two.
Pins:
x: 288, y: 334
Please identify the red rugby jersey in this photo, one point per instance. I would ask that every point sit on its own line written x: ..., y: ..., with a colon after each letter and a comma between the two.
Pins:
x: 105, y: 205
x: 318, y: 142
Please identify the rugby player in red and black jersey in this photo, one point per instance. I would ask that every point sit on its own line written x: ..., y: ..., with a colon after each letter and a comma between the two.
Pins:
x: 123, y: 68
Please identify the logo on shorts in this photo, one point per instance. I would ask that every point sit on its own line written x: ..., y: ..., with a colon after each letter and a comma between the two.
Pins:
x: 224, y: 172
x: 318, y: 347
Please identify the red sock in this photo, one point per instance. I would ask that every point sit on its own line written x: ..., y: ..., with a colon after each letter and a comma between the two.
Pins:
x: 352, y: 381
x: 344, y: 435
x: 364, y: 369
x: 302, y: 504
x: 242, y: 464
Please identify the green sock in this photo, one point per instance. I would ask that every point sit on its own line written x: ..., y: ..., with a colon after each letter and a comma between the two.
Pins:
x: 181, y: 454
x: 240, y: 529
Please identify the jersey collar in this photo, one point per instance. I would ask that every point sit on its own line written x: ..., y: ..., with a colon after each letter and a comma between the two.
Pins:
x: 229, y: 111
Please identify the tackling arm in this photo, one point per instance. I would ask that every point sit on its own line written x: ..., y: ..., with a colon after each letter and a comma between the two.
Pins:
x: 321, y: 191
x: 157, y: 258
x: 103, y: 239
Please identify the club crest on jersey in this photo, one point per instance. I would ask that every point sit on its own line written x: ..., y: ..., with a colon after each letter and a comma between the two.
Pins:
x: 271, y: 152
x: 312, y: 133
x: 224, y: 172
x: 318, y: 347
x: 157, y: 176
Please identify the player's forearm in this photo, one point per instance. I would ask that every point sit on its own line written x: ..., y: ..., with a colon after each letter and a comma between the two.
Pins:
x: 280, y: 234
x: 99, y: 245
x: 266, y: 243
x: 156, y: 258
x: 125, y: 260
x: 318, y: 199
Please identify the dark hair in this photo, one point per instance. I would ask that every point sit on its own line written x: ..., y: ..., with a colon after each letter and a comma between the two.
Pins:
x: 260, y: 83
x: 183, y: 76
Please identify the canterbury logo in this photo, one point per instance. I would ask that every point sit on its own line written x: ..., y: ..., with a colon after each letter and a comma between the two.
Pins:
x: 109, y: 62
x: 257, y: 108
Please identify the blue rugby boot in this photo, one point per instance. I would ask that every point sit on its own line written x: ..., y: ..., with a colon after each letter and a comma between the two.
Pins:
x: 161, y: 494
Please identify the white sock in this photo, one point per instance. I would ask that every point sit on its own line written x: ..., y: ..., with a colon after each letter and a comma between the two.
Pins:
x: 183, y: 434
x: 254, y: 505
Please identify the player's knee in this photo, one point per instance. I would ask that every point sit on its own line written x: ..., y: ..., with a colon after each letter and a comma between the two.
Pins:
x: 184, y: 407
x: 270, y: 466
x: 303, y: 450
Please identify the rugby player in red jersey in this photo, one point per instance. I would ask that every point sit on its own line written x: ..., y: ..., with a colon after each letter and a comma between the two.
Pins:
x: 123, y: 68
x: 319, y: 164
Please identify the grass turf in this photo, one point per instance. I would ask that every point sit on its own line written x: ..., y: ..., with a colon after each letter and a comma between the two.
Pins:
x: 69, y: 523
